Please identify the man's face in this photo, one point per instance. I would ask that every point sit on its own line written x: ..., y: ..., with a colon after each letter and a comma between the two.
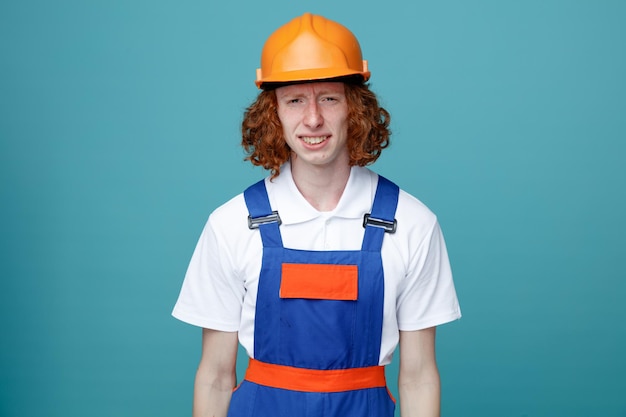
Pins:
x: 315, y: 123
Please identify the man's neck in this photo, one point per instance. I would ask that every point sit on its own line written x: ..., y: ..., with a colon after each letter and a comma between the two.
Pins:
x: 322, y: 187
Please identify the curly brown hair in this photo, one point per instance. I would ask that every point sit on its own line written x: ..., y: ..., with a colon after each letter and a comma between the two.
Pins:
x: 264, y: 143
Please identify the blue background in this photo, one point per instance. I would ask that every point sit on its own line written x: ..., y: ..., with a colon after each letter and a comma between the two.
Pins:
x: 119, y: 133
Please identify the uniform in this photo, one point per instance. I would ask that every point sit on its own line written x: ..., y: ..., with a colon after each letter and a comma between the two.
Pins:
x: 299, y: 328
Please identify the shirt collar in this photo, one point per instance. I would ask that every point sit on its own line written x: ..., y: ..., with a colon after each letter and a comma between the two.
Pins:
x: 292, y: 207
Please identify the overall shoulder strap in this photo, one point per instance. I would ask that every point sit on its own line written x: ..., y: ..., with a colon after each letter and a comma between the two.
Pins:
x: 381, y: 220
x: 261, y: 216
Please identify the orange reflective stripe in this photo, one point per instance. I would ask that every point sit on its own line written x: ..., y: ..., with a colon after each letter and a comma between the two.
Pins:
x: 319, y: 281
x: 315, y: 380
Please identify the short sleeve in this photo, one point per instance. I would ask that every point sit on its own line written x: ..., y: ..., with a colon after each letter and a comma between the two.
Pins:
x: 427, y: 296
x: 212, y: 293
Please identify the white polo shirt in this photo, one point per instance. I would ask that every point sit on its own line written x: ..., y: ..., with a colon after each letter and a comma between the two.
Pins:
x: 220, y: 287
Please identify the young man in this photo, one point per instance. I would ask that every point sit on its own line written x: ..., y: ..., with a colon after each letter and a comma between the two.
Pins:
x: 321, y: 269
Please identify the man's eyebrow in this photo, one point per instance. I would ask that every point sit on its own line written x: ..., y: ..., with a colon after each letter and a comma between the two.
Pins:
x: 293, y: 95
x: 324, y: 92
x: 329, y: 90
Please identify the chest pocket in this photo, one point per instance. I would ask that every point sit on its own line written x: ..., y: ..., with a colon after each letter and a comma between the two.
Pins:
x: 319, y: 281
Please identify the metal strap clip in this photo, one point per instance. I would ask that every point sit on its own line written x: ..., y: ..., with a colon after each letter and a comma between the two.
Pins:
x: 389, y: 226
x: 255, y: 222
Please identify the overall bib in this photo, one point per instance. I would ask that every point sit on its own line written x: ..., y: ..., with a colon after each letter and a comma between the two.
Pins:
x: 318, y: 323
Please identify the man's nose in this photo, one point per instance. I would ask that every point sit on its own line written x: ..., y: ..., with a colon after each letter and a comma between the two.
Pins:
x: 313, y: 117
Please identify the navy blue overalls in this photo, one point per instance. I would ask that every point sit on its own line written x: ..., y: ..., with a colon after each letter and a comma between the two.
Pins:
x: 318, y: 323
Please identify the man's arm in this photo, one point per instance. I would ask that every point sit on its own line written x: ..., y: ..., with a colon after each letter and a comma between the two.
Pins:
x: 418, y: 381
x: 215, y: 378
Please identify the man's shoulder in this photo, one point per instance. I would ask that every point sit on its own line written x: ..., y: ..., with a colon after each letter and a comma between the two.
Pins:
x: 230, y: 214
x: 414, y: 211
x: 233, y: 214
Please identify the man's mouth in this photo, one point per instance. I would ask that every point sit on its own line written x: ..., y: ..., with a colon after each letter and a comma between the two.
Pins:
x: 314, y: 140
